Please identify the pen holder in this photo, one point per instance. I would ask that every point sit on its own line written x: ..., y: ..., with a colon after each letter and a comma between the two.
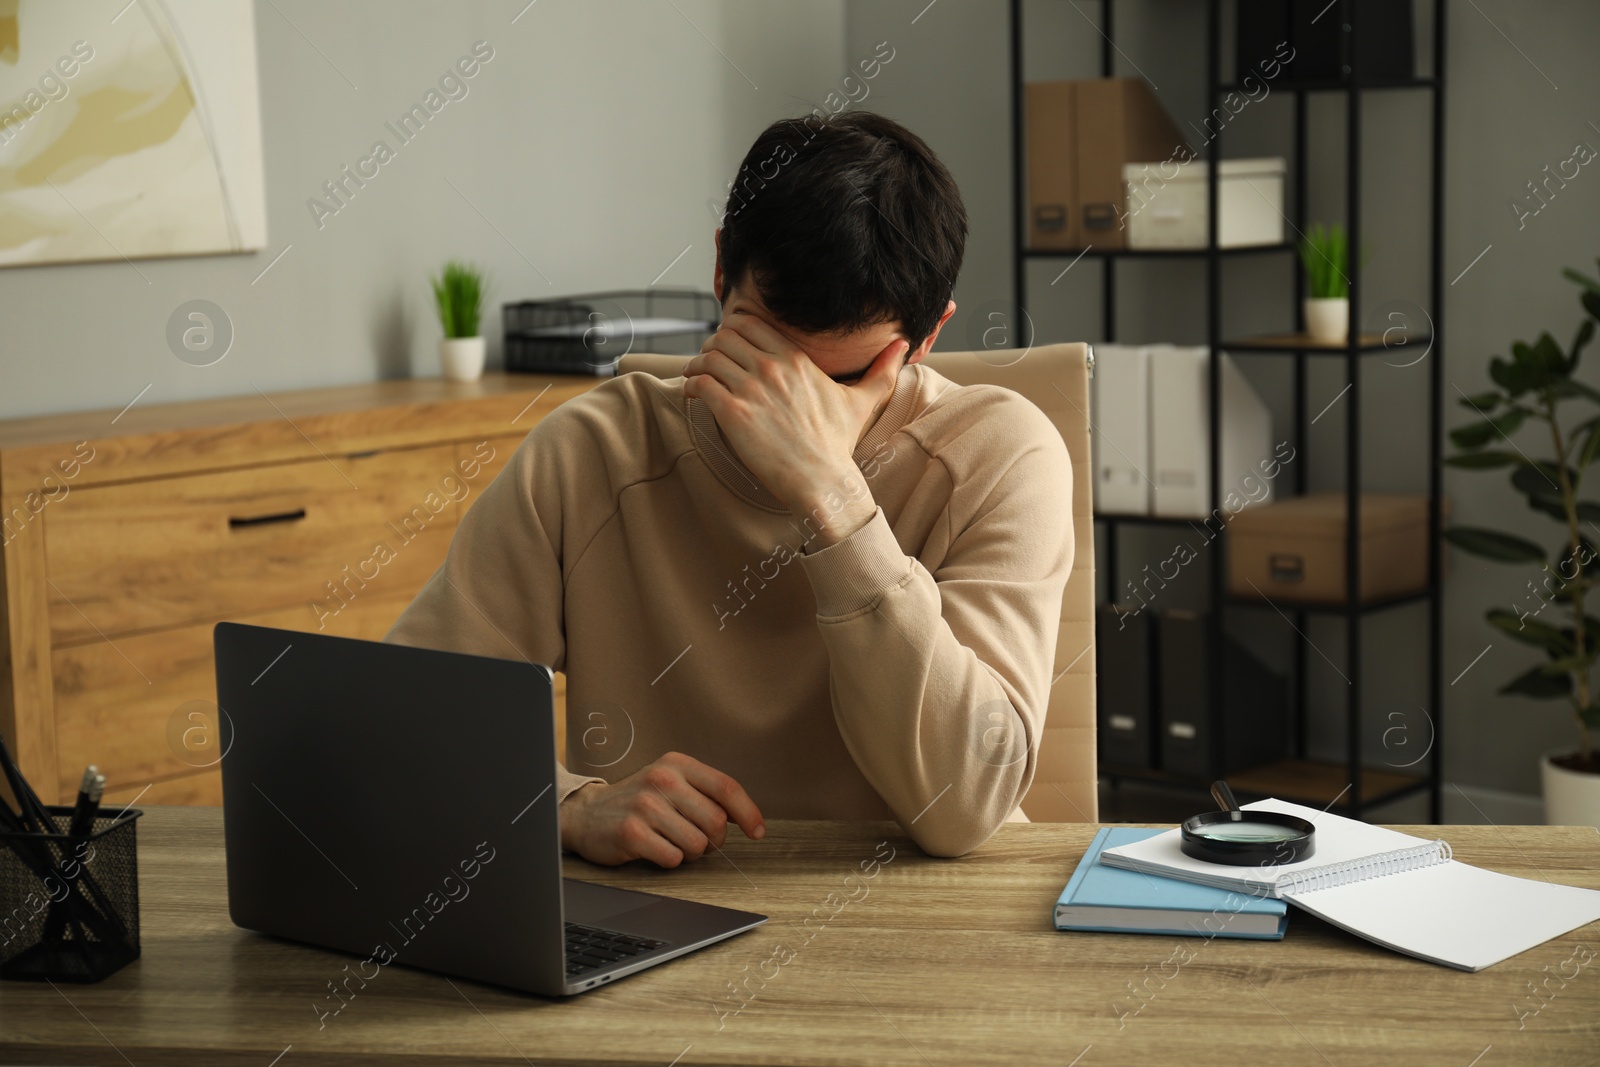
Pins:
x: 69, y: 906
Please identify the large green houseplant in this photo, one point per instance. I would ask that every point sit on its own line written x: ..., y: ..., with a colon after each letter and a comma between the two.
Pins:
x: 1537, y: 386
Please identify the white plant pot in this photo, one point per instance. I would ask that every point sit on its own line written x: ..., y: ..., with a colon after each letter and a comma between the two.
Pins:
x: 1571, y: 798
x: 461, y: 358
x: 1328, y: 319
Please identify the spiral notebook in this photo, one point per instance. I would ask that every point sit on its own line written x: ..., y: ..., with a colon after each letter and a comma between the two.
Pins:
x: 1403, y: 892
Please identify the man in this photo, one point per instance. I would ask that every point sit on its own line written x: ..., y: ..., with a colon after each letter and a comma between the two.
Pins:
x: 808, y: 573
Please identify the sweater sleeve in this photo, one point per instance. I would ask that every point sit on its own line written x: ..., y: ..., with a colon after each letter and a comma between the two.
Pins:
x: 940, y: 681
x: 499, y: 591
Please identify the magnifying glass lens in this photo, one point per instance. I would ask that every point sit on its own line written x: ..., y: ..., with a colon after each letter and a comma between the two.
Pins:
x: 1248, y: 831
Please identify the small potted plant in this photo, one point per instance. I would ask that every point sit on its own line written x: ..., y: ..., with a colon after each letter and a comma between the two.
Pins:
x: 1325, y: 254
x: 458, y: 296
x: 1552, y: 617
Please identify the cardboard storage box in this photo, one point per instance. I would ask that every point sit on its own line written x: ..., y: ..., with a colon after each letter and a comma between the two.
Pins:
x: 1294, y: 551
x: 1079, y: 136
x: 1052, y: 150
x: 1168, y: 205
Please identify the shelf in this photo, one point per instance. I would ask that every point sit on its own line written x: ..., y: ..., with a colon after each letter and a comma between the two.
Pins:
x: 1147, y: 520
x: 1217, y: 281
x: 1419, y: 596
x: 1310, y: 782
x: 1380, y: 85
x: 1153, y: 777
x: 1301, y: 342
x: 1315, y: 782
x: 1149, y: 253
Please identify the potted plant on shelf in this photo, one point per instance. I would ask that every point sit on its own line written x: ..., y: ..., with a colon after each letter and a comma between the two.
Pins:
x: 1533, y: 385
x: 1325, y: 254
x: 458, y: 295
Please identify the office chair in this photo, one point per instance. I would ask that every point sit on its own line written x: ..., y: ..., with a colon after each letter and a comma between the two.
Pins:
x: 1056, y: 379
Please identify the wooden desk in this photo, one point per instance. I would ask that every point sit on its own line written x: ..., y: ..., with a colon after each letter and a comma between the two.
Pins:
x: 937, y: 962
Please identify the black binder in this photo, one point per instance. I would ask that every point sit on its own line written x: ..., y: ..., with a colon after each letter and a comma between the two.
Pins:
x: 1125, y: 670
x: 1256, y: 704
x: 1381, y: 48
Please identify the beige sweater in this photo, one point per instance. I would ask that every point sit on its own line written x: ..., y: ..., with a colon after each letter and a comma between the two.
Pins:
x: 901, y: 673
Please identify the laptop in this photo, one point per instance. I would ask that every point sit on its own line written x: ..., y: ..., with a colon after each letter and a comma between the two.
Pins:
x: 398, y: 803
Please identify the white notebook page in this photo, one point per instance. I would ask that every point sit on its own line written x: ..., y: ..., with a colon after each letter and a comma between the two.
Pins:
x: 1453, y: 913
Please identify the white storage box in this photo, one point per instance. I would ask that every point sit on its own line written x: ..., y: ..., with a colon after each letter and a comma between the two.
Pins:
x: 1168, y: 202
x: 1180, y: 437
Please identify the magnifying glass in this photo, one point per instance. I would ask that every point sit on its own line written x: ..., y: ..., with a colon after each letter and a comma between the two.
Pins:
x: 1246, y: 838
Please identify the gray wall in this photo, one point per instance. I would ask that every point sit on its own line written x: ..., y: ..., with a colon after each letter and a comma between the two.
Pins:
x: 595, y: 137
x: 1507, y: 121
x: 591, y: 142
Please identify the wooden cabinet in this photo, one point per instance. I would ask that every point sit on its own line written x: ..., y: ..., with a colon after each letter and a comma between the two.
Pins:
x: 127, y: 536
x: 151, y: 555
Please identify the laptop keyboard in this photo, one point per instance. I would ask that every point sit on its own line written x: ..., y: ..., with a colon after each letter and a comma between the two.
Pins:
x: 589, y: 947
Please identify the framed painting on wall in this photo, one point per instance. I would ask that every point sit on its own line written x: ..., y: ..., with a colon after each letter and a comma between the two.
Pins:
x: 130, y: 131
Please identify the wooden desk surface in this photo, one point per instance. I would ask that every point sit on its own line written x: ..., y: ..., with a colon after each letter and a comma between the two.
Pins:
x: 936, y: 962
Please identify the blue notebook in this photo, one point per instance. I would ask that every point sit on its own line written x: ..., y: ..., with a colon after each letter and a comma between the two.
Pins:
x: 1100, y: 897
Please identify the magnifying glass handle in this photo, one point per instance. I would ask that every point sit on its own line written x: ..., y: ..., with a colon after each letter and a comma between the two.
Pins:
x: 1223, y: 796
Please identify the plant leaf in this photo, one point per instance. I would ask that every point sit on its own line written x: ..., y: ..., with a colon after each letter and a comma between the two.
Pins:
x: 1540, y: 482
x: 1539, y: 685
x: 1549, y: 355
x: 1591, y: 630
x: 1540, y: 476
x: 1509, y: 375
x: 1492, y: 544
x: 1531, y: 368
x: 1482, y: 403
x: 1591, y: 446
x: 1582, y: 279
x: 1569, y: 567
x: 1591, y: 302
x: 1530, y: 632
x: 1478, y: 434
x: 1580, y: 341
x: 1550, y: 505
x: 1573, y: 387
x: 1566, y: 576
x: 1324, y: 252
x: 458, y: 296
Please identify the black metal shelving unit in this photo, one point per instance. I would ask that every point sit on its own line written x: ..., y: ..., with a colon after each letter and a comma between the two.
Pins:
x: 1297, y: 778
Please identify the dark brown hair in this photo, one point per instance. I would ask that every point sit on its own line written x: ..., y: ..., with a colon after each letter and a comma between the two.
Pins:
x: 844, y: 222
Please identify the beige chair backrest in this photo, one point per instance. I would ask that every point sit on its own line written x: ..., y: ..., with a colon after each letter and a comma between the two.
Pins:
x: 1056, y: 379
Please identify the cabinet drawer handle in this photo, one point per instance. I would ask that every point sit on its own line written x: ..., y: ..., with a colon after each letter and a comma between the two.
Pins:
x: 261, y: 520
x: 1285, y: 567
